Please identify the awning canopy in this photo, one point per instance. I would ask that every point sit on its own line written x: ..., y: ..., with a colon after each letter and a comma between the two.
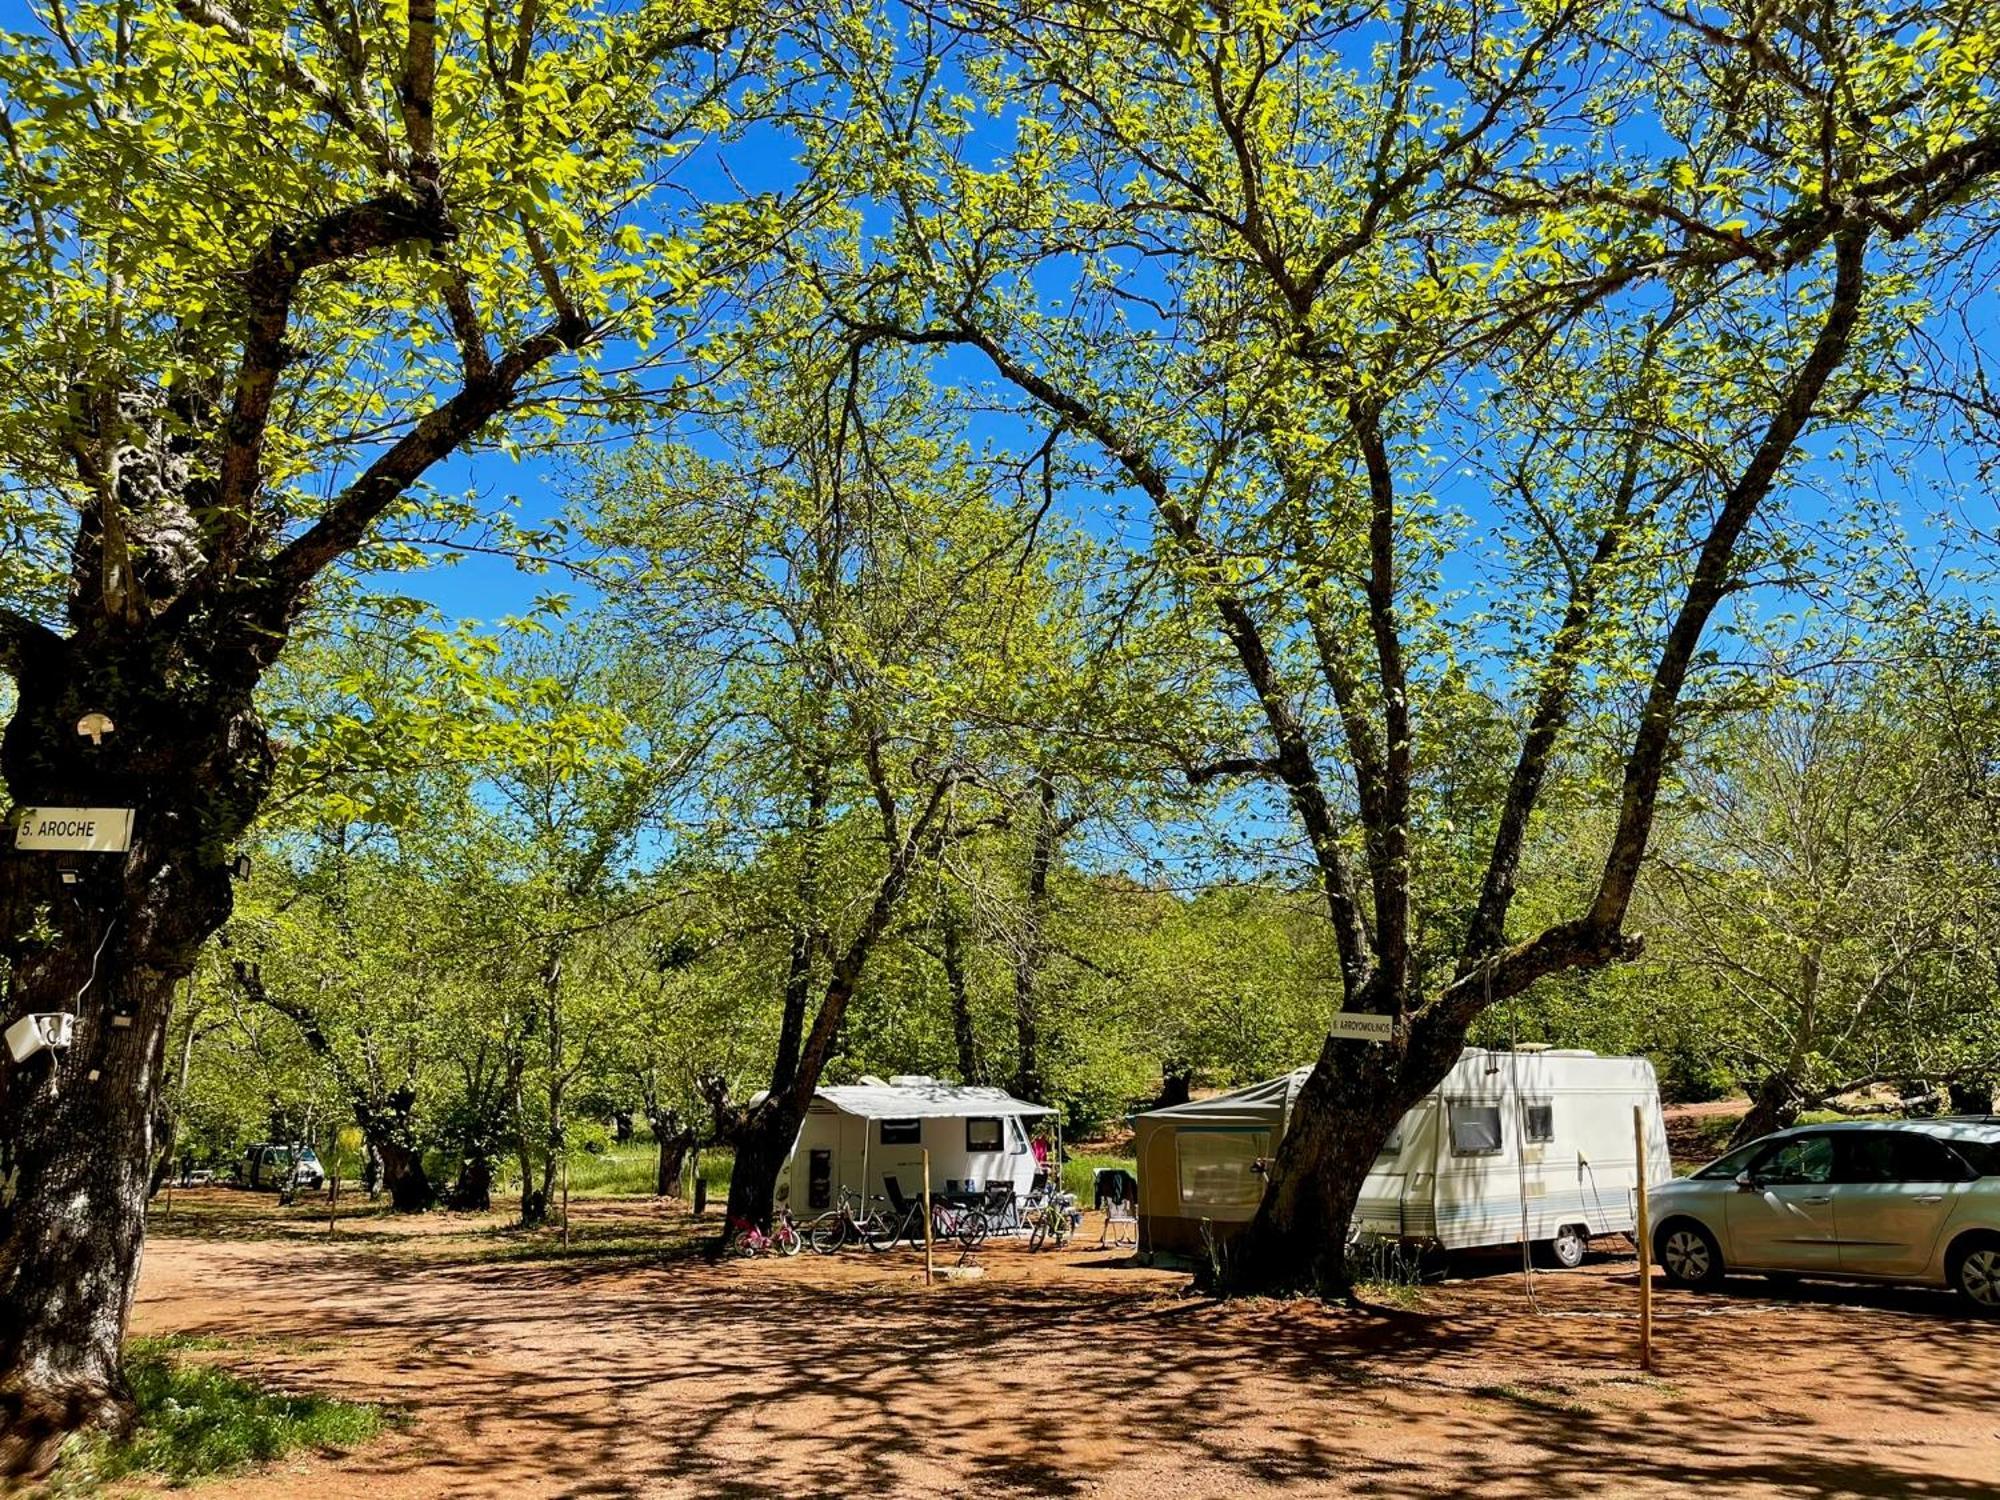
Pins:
x: 908, y: 1098
x: 1256, y: 1104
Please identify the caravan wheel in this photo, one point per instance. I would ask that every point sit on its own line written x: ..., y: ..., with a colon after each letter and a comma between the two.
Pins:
x: 1568, y: 1247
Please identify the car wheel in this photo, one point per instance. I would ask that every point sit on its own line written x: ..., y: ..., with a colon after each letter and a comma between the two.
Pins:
x: 1975, y: 1272
x: 1689, y: 1255
x: 1567, y: 1249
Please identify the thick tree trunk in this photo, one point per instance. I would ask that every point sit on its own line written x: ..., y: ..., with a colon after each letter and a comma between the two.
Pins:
x: 107, y: 944
x: 1349, y: 1105
x: 1775, y: 1105
x: 675, y: 1141
x: 410, y: 1189
x: 763, y: 1141
x: 472, y: 1193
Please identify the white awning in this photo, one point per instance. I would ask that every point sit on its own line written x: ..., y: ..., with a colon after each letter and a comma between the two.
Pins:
x: 909, y: 1099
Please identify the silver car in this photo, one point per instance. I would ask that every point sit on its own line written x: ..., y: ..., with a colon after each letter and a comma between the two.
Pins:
x: 1911, y: 1200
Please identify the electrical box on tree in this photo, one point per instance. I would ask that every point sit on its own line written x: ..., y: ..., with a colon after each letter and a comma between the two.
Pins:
x: 44, y: 1032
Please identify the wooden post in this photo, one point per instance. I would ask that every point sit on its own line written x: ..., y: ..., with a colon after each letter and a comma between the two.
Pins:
x: 928, y: 1267
x: 565, y: 1204
x: 1645, y: 1245
x: 333, y: 1198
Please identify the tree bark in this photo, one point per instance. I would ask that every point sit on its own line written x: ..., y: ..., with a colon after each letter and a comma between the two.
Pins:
x: 808, y: 938
x: 675, y: 1141
x: 763, y: 1141
x: 952, y: 955
x: 1775, y: 1105
x: 394, y: 1139
x: 190, y: 756
x: 472, y: 1192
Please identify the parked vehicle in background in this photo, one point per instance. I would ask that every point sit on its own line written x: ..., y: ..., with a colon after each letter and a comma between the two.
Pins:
x: 269, y: 1168
x: 1913, y: 1201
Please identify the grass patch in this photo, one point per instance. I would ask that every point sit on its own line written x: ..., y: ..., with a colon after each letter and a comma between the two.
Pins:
x: 196, y: 1421
x: 1077, y: 1172
x: 1535, y: 1398
x: 628, y: 1171
x: 1404, y: 1296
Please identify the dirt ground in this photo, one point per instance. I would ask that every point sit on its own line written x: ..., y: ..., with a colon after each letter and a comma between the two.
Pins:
x: 621, y: 1374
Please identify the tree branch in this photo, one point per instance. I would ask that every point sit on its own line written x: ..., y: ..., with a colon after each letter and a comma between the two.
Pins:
x: 1653, y: 743
x: 296, y: 75
x: 271, y: 285
x: 437, y: 434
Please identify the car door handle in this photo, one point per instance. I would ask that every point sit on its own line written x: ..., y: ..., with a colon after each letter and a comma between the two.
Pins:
x: 1824, y: 1198
x: 1930, y: 1197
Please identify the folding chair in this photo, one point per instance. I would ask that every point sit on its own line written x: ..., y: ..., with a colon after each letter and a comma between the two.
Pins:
x: 1121, y: 1219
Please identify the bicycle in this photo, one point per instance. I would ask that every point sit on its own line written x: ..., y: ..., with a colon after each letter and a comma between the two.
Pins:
x: 845, y: 1224
x: 783, y: 1237
x: 1052, y: 1219
x: 904, y: 1223
x: 960, y: 1221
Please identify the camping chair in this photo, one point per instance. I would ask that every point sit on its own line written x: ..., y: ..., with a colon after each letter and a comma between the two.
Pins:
x: 1121, y: 1216
x: 1003, y: 1210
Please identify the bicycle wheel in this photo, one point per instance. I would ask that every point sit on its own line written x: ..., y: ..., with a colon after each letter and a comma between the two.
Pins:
x: 972, y: 1228
x: 1039, y: 1234
x: 786, y: 1239
x: 828, y: 1233
x: 878, y: 1232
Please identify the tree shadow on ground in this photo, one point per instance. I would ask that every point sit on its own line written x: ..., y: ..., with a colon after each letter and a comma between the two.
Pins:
x: 586, y: 1380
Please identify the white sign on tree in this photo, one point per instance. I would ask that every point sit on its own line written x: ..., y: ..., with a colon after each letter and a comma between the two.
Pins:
x: 1358, y: 1026
x: 75, y: 830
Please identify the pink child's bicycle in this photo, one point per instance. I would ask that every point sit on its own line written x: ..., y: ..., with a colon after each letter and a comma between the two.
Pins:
x: 783, y: 1238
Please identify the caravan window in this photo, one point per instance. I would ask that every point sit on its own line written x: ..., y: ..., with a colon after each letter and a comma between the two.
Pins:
x: 1217, y: 1167
x: 1539, y: 1121
x: 1017, y: 1138
x: 1475, y: 1129
x: 902, y: 1132
x: 982, y: 1135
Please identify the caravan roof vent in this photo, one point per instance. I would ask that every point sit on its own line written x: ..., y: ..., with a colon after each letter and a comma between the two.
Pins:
x: 870, y: 1081
x: 911, y: 1081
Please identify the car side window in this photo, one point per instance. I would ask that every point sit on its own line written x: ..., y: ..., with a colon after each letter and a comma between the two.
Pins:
x: 1925, y: 1158
x: 1869, y: 1156
x: 1803, y: 1159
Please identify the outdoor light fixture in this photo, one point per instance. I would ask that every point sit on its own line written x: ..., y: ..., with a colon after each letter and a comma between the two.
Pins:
x: 95, y: 727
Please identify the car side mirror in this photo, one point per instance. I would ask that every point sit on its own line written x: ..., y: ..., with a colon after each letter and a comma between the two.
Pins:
x: 1746, y: 1183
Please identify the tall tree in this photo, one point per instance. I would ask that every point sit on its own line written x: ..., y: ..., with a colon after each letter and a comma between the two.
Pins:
x: 838, y: 566
x: 267, y: 269
x: 1618, y: 264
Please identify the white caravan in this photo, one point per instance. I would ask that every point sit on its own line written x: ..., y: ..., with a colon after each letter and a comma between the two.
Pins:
x: 857, y: 1136
x: 1547, y: 1131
